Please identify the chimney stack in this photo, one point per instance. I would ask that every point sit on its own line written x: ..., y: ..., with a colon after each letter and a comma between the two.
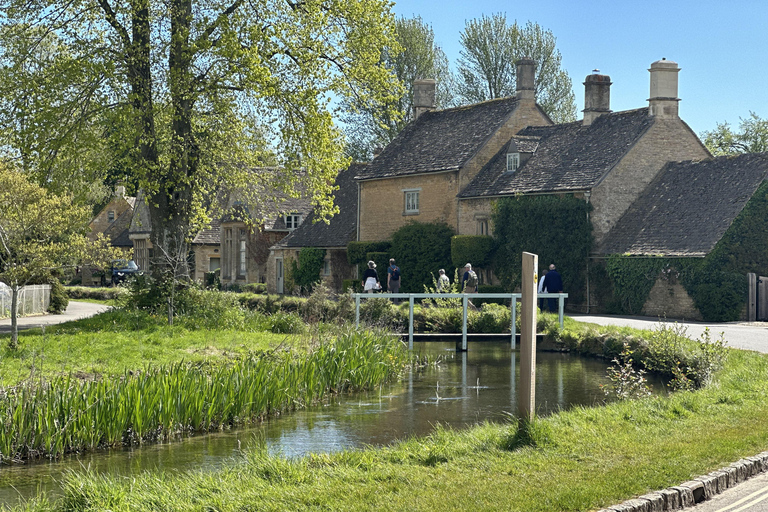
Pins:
x: 526, y: 79
x: 664, y: 101
x: 120, y: 191
x: 597, y: 96
x: 423, y: 96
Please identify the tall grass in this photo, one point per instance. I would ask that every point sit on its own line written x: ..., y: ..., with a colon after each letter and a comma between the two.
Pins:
x: 66, y: 414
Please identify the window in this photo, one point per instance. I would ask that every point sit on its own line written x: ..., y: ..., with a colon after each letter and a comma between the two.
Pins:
x: 228, y: 248
x: 214, y: 264
x: 292, y: 221
x: 327, y: 267
x: 111, y: 215
x: 411, y: 202
x: 513, y: 161
x: 241, y: 246
x: 482, y: 227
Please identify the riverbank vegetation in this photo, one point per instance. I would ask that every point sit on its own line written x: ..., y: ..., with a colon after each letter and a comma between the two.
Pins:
x: 581, y: 459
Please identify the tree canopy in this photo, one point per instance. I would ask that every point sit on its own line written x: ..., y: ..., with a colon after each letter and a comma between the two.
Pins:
x: 415, y: 56
x: 189, y: 95
x: 487, y: 70
x: 752, y: 137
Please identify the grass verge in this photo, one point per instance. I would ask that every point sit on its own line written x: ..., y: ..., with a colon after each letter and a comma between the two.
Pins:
x: 581, y: 459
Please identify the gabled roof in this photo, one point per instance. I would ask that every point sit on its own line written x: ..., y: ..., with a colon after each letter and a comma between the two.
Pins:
x: 568, y: 157
x: 117, y: 232
x: 209, y: 236
x: 688, y: 208
x: 342, y: 228
x: 140, y: 222
x: 441, y: 140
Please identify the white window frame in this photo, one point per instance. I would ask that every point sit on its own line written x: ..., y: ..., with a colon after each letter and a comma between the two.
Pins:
x: 111, y: 216
x: 482, y: 227
x: 292, y: 221
x: 513, y: 162
x: 326, y: 267
x: 411, y: 199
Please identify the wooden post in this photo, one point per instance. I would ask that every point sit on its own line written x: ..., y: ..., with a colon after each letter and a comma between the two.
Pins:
x: 526, y: 399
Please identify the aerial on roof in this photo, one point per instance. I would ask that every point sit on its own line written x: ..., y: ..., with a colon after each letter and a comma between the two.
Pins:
x: 342, y: 227
x: 688, y: 208
x: 441, y: 140
x: 568, y: 157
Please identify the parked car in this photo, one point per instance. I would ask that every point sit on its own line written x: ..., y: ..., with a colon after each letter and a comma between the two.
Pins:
x: 121, y: 269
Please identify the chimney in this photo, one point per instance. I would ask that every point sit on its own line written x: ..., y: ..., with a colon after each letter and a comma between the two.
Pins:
x: 120, y: 191
x: 526, y: 74
x: 663, y: 101
x: 423, y: 96
x: 597, y: 96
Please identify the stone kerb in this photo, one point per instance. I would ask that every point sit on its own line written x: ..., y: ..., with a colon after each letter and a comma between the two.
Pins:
x: 697, y: 490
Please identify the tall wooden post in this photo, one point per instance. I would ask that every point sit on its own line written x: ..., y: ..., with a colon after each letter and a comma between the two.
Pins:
x: 752, y: 297
x: 526, y: 398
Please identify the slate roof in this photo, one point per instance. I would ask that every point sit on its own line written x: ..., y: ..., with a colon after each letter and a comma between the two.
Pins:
x: 140, y: 222
x: 342, y: 228
x: 117, y: 231
x: 568, y: 157
x: 688, y: 208
x: 209, y: 236
x: 441, y: 140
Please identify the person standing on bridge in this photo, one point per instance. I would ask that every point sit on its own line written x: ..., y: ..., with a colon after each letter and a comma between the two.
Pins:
x: 554, y: 284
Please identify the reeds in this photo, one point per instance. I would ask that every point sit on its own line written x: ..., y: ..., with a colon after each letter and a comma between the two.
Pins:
x: 66, y: 414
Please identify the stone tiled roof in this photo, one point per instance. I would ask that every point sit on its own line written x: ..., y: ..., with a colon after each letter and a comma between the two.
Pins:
x: 140, y: 222
x: 568, y: 157
x: 688, y: 208
x: 117, y: 232
x: 440, y: 140
x: 342, y: 228
x: 209, y: 236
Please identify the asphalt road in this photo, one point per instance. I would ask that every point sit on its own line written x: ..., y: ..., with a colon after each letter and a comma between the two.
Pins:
x: 751, y: 495
x: 75, y: 311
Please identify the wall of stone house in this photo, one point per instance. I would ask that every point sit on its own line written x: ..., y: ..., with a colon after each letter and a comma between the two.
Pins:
x: 382, y: 203
x: 203, y: 255
x: 472, y: 212
x: 256, y: 254
x: 668, y: 299
x: 340, y: 269
x: 271, y: 274
x: 666, y: 140
x: 101, y: 222
x: 526, y: 114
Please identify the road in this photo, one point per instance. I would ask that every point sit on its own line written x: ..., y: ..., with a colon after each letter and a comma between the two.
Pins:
x: 746, y: 336
x: 75, y: 311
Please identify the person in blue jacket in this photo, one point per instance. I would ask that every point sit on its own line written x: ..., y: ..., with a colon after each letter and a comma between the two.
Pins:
x: 554, y: 284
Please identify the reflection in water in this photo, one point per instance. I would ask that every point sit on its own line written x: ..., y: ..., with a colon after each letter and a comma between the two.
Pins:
x: 465, y: 389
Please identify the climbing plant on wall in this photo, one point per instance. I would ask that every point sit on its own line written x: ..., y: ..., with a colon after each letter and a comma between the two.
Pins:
x: 305, y: 272
x: 557, y: 228
x: 420, y: 249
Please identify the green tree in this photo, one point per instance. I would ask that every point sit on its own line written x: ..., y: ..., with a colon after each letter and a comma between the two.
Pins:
x: 752, y: 137
x: 415, y: 56
x: 486, y: 68
x: 196, y: 87
x: 39, y: 232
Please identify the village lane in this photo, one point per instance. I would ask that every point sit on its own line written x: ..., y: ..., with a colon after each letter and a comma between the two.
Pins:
x: 75, y: 311
x: 743, y: 335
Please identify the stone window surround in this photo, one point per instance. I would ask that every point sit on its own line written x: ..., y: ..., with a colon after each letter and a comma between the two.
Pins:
x: 411, y: 199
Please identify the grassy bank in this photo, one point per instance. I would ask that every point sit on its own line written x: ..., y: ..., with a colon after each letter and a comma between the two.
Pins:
x: 581, y: 459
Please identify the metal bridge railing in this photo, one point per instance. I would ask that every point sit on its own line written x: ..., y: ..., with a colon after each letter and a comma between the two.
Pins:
x: 513, y: 297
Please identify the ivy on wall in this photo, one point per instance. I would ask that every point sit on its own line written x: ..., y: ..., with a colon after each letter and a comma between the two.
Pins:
x: 475, y: 249
x: 557, y: 228
x: 304, y: 271
x: 420, y: 250
x: 717, y: 283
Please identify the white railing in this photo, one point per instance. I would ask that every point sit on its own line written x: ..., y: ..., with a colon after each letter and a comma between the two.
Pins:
x: 33, y: 300
x: 513, y: 297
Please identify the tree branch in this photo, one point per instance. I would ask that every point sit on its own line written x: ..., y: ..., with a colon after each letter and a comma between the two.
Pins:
x: 111, y: 18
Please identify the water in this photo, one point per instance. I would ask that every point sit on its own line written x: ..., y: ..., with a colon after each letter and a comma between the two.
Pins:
x: 466, y: 388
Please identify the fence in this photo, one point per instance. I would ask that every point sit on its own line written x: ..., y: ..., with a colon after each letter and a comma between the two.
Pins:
x: 514, y: 297
x: 33, y: 300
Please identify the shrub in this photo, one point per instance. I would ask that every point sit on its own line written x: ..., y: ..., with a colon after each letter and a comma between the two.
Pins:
x: 352, y: 285
x: 320, y: 306
x: 304, y: 271
x: 476, y: 249
x: 378, y: 312
x: 254, y: 288
x: 86, y: 292
x: 489, y: 288
x: 286, y: 323
x: 357, y: 251
x: 59, y: 298
x: 419, y: 250
x: 491, y: 319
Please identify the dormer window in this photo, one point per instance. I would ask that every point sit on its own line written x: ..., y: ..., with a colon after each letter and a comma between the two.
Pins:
x: 513, y: 161
x: 292, y: 221
x: 111, y: 216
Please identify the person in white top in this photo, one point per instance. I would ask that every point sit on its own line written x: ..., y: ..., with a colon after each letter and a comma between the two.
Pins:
x: 542, y: 289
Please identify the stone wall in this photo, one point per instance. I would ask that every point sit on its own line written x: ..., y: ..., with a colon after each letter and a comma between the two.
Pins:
x: 666, y: 140
x: 382, y: 203
x: 203, y: 255
x: 668, y: 299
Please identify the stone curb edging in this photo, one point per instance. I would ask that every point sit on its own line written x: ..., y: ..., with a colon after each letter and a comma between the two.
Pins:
x: 697, y: 490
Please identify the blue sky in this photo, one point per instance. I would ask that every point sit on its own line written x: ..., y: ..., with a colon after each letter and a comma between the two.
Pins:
x: 721, y: 47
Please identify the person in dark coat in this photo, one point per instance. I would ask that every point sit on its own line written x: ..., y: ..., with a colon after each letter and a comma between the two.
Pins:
x: 554, y: 284
x: 371, y: 278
